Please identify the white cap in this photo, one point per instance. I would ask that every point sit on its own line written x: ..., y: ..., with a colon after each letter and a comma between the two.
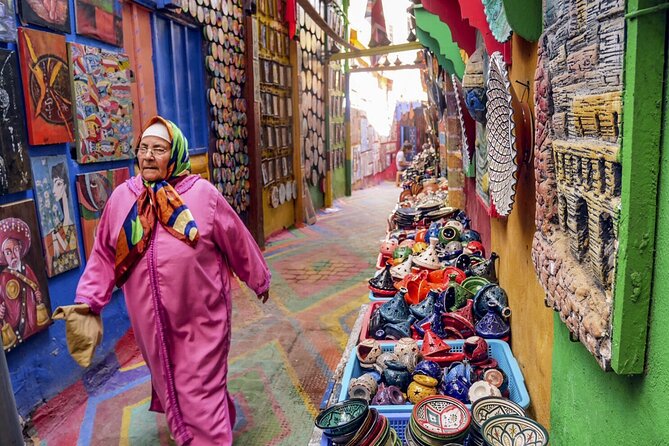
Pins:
x: 158, y: 129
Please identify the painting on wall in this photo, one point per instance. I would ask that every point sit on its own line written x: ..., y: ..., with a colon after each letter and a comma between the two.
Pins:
x: 100, y: 19
x: 93, y: 191
x: 14, y: 160
x: 103, y: 103
x: 56, y: 213
x: 52, y: 14
x: 25, y: 307
x: 7, y: 21
x: 46, y: 87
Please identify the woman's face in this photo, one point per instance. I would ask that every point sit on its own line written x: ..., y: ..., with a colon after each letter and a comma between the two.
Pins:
x: 153, y: 156
x: 58, y: 188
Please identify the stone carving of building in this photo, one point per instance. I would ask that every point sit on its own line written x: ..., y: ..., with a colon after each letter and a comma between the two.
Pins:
x: 578, y: 86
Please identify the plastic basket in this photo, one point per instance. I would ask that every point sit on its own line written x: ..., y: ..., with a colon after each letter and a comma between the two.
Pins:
x: 378, y: 299
x: 398, y: 421
x: 497, y: 349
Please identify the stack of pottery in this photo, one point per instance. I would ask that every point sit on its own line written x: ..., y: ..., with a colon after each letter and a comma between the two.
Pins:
x: 438, y: 420
x: 353, y: 423
x: 503, y: 430
x: 486, y: 408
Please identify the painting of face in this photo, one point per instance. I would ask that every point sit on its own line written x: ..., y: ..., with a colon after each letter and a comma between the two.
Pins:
x: 14, y: 164
x: 53, y: 14
x: 93, y: 191
x: 46, y: 87
x: 25, y: 306
x: 103, y: 103
x: 100, y: 19
x: 56, y: 213
x: 7, y: 21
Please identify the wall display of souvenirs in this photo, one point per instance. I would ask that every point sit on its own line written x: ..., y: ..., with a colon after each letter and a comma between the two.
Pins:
x: 46, y: 87
x: 93, y: 191
x: 223, y: 30
x: 103, y: 103
x: 56, y: 213
x: 25, y: 306
x: 336, y: 113
x: 100, y: 19
x: 7, y: 21
x: 53, y: 14
x: 14, y: 160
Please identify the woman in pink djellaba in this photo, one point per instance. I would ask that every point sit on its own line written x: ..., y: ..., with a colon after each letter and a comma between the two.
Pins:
x: 171, y: 242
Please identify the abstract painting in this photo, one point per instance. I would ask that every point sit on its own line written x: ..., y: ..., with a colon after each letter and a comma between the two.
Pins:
x: 46, y: 87
x: 103, y: 103
x: 52, y: 14
x: 14, y: 160
x: 7, y: 21
x: 25, y: 307
x: 93, y: 190
x: 56, y: 213
x: 100, y: 19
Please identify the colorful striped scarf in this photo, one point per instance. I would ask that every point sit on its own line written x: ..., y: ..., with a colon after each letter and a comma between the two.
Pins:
x: 158, y: 202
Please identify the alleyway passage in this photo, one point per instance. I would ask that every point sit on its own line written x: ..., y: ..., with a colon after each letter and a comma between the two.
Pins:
x: 282, y: 353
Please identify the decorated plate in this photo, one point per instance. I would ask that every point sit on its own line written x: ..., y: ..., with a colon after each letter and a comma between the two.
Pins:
x: 503, y: 430
x: 282, y: 193
x: 442, y: 416
x: 492, y: 406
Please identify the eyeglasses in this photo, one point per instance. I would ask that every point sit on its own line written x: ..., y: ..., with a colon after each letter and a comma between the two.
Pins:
x: 157, y: 151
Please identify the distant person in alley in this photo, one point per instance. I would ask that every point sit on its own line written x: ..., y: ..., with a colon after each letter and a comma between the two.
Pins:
x: 401, y: 161
x: 171, y: 242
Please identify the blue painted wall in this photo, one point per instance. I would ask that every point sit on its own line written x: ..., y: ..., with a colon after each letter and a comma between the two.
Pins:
x: 42, y: 367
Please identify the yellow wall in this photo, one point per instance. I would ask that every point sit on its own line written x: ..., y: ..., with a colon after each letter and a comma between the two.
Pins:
x: 276, y: 219
x: 531, y: 321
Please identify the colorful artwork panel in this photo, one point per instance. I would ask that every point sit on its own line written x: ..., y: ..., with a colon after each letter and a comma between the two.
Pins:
x: 56, y: 213
x: 100, y: 19
x: 25, y: 307
x: 7, y: 21
x: 93, y: 191
x: 14, y: 160
x: 52, y: 14
x: 46, y: 87
x: 103, y: 104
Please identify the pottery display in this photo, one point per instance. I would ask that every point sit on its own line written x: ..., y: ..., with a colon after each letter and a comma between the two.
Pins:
x: 429, y: 259
x: 481, y: 389
x: 513, y: 430
x: 395, y: 310
x: 368, y: 352
x: 420, y: 388
x: 426, y: 306
x: 383, y: 284
x: 492, y: 406
x: 388, y: 395
x: 383, y: 359
x: 342, y: 418
x: 388, y: 246
x: 428, y: 368
x: 363, y: 387
x: 493, y: 325
x: 491, y: 296
x: 486, y: 268
x: 441, y: 418
x: 396, y: 374
x: 403, y: 269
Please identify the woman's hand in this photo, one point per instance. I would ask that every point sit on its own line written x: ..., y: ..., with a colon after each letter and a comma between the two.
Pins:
x: 264, y: 296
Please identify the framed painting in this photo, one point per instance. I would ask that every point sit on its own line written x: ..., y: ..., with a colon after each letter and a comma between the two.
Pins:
x: 25, y: 307
x: 99, y: 19
x: 102, y: 103
x: 56, y: 213
x: 7, y: 21
x: 53, y: 14
x: 46, y: 87
x: 93, y: 191
x: 14, y: 160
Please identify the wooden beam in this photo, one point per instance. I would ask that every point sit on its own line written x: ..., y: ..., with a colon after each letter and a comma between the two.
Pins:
x: 388, y: 68
x: 355, y: 52
x: 315, y: 16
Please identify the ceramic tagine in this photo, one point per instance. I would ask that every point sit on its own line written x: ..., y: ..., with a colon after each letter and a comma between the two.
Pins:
x: 383, y: 284
x: 492, y: 325
x: 403, y: 269
x: 429, y: 259
x: 395, y: 310
x: 486, y: 268
x: 491, y: 295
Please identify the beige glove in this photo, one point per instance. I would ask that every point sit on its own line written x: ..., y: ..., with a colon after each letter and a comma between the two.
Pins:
x: 83, y: 330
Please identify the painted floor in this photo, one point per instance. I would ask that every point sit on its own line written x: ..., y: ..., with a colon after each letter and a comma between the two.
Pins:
x: 283, y: 352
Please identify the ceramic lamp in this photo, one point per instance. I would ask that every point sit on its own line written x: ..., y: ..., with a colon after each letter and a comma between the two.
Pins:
x: 400, y: 271
x: 429, y: 259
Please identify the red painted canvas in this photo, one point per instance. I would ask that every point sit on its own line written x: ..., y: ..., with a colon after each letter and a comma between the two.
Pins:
x: 100, y: 19
x: 46, y: 87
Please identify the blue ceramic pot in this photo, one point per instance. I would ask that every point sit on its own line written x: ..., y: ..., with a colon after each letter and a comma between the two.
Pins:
x: 457, y: 388
x: 396, y: 374
x: 469, y: 235
x: 428, y: 368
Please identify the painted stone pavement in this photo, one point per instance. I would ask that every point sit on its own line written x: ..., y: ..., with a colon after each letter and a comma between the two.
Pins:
x: 283, y: 353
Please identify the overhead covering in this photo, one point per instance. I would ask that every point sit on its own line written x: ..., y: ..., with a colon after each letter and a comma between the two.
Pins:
x: 499, y: 25
x: 525, y: 17
x: 472, y: 10
x: 440, y: 33
x: 449, y: 13
x: 433, y: 46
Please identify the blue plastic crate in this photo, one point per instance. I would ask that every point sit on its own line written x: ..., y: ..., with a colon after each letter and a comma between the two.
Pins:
x: 398, y: 421
x: 499, y: 350
x: 378, y: 299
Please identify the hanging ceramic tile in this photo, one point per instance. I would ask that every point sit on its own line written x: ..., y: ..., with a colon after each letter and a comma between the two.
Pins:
x: 100, y: 19
x: 7, y: 21
x: 93, y: 191
x: 56, y: 213
x: 496, y: 18
x: 53, y: 14
x: 502, y: 152
x: 103, y: 104
x: 14, y: 165
x: 25, y: 306
x: 48, y: 104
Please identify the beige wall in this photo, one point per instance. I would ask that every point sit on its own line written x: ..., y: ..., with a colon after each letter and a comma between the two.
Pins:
x: 531, y: 321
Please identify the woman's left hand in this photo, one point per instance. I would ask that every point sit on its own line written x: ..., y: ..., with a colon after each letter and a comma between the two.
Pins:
x: 264, y: 296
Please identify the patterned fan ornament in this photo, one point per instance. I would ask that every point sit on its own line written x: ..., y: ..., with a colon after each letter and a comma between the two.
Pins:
x: 459, y: 101
x: 502, y: 150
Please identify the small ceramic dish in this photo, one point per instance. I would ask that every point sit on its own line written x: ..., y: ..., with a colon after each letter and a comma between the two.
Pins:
x: 512, y: 429
x: 442, y: 417
x: 342, y: 418
x: 492, y: 406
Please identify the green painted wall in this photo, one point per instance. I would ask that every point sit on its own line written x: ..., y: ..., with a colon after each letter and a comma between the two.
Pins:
x: 317, y: 197
x: 339, y: 182
x: 590, y: 407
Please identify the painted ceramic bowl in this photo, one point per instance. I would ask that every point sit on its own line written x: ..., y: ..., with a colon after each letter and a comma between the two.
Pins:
x: 513, y: 430
x: 441, y: 417
x: 492, y: 406
x: 342, y: 418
